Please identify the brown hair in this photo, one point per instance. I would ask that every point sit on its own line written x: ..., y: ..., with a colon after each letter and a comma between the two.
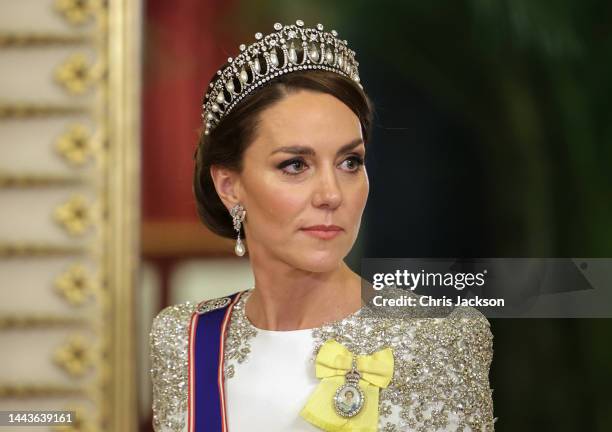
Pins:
x: 226, y: 143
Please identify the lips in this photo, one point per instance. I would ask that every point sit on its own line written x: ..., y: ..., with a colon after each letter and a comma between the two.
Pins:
x: 324, y: 232
x: 323, y: 228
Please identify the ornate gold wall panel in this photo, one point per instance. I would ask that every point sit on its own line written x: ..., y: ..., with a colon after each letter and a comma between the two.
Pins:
x: 69, y: 208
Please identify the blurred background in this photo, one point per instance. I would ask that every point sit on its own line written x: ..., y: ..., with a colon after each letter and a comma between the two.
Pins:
x: 492, y: 138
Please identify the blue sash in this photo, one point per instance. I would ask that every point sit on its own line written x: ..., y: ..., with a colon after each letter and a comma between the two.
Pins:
x: 206, y: 408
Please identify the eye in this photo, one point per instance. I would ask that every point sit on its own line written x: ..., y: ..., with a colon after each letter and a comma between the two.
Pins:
x: 355, y: 162
x: 296, y: 163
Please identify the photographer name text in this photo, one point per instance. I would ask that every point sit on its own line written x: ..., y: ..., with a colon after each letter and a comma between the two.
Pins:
x: 429, y: 301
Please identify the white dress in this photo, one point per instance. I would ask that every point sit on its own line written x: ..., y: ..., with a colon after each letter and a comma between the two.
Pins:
x: 440, y: 380
x: 285, y: 354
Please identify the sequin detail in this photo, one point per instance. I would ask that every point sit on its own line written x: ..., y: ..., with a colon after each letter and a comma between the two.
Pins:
x: 237, y: 339
x: 169, y: 340
x: 441, y: 374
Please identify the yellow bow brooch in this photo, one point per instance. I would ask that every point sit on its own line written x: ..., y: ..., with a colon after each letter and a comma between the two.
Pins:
x: 346, y: 399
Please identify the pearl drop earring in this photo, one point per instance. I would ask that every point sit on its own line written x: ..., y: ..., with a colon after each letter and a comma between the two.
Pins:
x: 238, y: 214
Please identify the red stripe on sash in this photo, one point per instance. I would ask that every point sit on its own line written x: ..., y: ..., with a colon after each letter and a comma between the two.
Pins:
x: 228, y: 314
x: 192, y: 327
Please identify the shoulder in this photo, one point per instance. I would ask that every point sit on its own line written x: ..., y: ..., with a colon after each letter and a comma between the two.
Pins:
x: 173, y: 321
x: 475, y: 330
x: 169, y: 333
x: 172, y: 315
x: 471, y: 319
x: 178, y: 315
x: 171, y: 325
x: 447, y: 322
x: 465, y: 328
x: 393, y: 302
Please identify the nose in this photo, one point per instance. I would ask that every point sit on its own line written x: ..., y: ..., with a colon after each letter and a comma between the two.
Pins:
x: 327, y: 191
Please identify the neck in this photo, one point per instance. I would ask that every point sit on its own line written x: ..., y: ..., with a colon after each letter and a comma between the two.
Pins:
x: 302, y: 300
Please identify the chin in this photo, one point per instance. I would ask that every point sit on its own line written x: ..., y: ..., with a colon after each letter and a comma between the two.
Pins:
x: 320, y: 262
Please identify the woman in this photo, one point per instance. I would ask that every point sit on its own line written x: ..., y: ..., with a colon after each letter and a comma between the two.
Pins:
x: 281, y: 160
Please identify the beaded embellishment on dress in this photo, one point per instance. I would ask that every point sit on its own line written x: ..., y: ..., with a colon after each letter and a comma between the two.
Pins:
x: 440, y: 379
x: 239, y: 334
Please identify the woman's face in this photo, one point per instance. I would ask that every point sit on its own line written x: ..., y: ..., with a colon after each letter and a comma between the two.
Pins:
x: 303, y: 169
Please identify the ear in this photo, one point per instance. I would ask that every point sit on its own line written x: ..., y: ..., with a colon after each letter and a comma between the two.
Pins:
x: 227, y: 184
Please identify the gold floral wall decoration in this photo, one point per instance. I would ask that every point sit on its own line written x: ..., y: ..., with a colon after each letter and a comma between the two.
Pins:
x: 94, y: 219
x: 75, y: 145
x: 31, y: 390
x: 30, y: 39
x: 9, y: 180
x: 46, y: 321
x: 75, y: 357
x: 75, y: 216
x: 20, y: 110
x: 77, y: 75
x: 78, y: 12
x: 39, y: 249
x: 75, y: 285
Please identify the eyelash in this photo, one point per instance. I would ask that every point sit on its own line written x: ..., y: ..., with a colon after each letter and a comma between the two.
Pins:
x: 358, y: 160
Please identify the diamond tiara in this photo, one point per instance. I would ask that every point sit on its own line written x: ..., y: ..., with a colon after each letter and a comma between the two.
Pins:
x: 273, y: 55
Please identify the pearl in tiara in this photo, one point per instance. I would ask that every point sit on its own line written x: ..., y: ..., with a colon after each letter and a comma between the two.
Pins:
x: 289, y: 48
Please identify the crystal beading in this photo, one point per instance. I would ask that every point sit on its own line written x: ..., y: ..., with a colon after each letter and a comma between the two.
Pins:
x: 290, y: 48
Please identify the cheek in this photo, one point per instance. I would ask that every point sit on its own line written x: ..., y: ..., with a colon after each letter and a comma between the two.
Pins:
x: 276, y: 201
x: 284, y: 203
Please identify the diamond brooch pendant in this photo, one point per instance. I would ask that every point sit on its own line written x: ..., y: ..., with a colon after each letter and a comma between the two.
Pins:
x: 349, y: 397
x: 214, y: 304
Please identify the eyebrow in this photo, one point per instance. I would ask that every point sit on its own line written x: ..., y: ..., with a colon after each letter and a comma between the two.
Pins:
x: 309, y: 151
